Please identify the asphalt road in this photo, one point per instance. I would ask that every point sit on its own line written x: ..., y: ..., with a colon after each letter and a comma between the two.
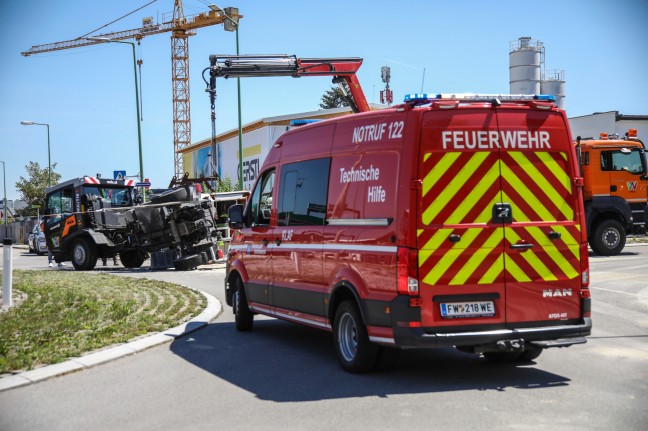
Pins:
x: 284, y: 376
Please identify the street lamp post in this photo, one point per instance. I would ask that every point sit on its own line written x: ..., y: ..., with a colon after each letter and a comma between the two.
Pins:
x: 4, y: 199
x: 238, y: 91
x: 137, y: 104
x: 49, y: 158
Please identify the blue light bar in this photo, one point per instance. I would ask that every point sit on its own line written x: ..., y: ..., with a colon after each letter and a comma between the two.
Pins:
x: 422, y: 98
x: 418, y: 97
x: 546, y: 97
x: 302, y: 122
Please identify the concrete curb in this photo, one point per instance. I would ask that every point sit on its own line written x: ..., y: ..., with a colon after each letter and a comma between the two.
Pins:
x: 212, y: 310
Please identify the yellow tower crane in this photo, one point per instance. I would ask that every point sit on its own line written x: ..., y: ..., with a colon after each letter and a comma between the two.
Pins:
x: 181, y: 27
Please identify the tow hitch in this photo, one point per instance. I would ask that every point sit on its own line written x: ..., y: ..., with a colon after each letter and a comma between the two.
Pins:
x: 502, y: 346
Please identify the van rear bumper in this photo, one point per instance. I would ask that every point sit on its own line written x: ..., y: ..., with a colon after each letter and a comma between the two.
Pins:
x: 426, y: 337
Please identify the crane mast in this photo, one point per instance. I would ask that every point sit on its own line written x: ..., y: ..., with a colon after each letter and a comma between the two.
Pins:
x: 181, y: 27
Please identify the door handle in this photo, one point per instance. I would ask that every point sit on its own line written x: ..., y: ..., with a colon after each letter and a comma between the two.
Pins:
x: 455, y: 238
x: 554, y: 235
x: 521, y: 246
x: 265, y: 241
x: 278, y: 241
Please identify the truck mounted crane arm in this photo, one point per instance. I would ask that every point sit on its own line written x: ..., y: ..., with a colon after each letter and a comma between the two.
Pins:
x: 343, y: 70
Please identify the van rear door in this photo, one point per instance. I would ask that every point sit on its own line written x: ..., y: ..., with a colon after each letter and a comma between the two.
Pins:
x: 497, y: 236
x: 461, y: 251
x: 542, y: 250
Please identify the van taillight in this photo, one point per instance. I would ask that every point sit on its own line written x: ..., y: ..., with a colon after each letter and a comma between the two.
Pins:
x: 584, y: 261
x: 407, y: 274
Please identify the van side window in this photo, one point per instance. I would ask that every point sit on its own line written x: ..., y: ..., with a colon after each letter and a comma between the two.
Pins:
x: 303, y: 192
x: 261, y: 201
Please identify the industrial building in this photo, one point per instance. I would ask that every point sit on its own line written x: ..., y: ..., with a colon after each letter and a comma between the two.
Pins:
x: 591, y: 126
x: 258, y: 138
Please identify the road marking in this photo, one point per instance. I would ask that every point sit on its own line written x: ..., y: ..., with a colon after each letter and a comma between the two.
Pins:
x: 615, y: 291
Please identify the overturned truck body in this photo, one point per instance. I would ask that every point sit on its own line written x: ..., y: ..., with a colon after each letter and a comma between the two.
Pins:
x: 88, y: 218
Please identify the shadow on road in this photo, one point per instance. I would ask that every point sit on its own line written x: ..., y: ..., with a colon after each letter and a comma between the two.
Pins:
x: 283, y: 362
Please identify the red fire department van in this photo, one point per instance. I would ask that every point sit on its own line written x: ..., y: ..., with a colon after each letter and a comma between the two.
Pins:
x: 453, y: 220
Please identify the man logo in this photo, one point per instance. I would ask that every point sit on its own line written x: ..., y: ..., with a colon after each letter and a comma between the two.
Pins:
x: 552, y: 293
x: 632, y: 186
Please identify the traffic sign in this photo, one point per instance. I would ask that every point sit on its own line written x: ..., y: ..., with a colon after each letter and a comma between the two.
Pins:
x: 119, y: 175
x: 145, y: 184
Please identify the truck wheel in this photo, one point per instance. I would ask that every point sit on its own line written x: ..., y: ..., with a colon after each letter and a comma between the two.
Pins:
x: 173, y: 195
x: 242, y: 315
x: 608, y: 238
x: 131, y: 258
x: 84, y: 255
x: 187, y: 263
x: 355, y: 352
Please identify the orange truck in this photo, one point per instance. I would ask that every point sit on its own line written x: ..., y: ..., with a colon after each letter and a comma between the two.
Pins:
x: 615, y: 191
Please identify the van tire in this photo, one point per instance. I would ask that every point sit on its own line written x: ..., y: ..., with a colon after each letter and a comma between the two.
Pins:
x: 387, y: 358
x: 608, y: 238
x: 242, y: 315
x: 354, y: 351
x: 502, y: 357
x: 529, y: 354
x: 84, y: 255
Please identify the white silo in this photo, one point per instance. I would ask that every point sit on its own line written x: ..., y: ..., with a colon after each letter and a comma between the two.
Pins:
x: 554, y: 83
x: 526, y: 56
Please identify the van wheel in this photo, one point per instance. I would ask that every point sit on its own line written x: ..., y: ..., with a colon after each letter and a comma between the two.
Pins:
x: 355, y: 352
x: 242, y: 315
x: 529, y: 354
x: 502, y: 357
x: 131, y: 258
x: 84, y: 255
x: 387, y: 358
x: 608, y: 238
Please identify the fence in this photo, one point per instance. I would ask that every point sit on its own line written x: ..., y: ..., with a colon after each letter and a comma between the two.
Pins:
x: 17, y: 231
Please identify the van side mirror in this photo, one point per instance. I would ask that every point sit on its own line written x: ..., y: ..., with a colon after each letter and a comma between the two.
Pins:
x: 235, y: 214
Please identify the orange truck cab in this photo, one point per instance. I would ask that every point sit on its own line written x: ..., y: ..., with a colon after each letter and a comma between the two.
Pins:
x: 616, y: 190
x: 448, y: 220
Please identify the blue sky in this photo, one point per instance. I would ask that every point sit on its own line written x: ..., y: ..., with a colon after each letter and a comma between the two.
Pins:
x: 87, y: 94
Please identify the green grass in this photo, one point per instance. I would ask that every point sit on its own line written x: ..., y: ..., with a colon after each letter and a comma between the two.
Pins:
x: 65, y: 314
x: 637, y: 239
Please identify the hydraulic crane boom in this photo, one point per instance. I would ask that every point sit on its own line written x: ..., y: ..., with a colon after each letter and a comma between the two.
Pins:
x: 242, y: 66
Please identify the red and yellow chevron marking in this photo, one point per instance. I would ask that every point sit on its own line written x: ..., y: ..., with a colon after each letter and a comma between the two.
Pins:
x: 476, y: 259
x: 465, y: 186
x: 458, y: 194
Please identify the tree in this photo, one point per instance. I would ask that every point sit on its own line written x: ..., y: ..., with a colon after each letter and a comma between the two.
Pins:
x: 32, y: 188
x: 225, y: 185
x: 334, y: 97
